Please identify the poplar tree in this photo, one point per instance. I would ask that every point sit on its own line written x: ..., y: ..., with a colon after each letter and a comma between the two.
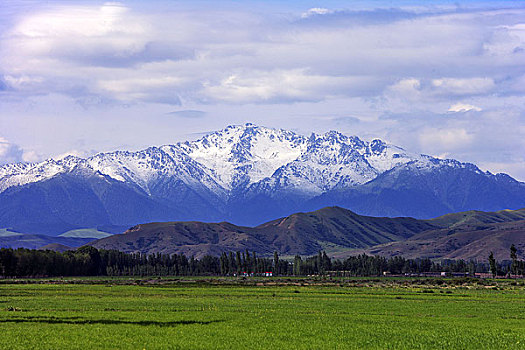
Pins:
x: 239, y: 262
x: 514, y: 258
x: 276, y: 263
x: 297, y: 265
x: 492, y: 263
x: 254, y: 263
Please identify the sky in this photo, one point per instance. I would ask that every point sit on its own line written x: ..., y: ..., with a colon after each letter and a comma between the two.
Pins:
x: 444, y: 78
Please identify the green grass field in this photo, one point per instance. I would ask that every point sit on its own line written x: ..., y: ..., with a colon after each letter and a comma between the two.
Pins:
x: 193, y: 315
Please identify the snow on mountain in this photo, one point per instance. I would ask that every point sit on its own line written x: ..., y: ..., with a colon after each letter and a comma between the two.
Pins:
x: 245, y: 154
x: 382, y: 156
x: 147, y: 167
x: 24, y: 173
x: 236, y: 158
x: 246, y: 175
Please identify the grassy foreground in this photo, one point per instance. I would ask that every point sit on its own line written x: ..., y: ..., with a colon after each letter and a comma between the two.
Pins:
x: 195, y: 315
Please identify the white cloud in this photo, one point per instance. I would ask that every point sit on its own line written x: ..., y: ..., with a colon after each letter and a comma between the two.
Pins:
x: 31, y: 156
x: 445, y: 139
x: 136, y: 89
x: 109, y: 24
x: 513, y: 167
x: 9, y: 153
x: 75, y: 71
x: 316, y: 11
x: 21, y: 81
x: 74, y: 153
x: 282, y: 86
x: 507, y: 42
x: 463, y: 107
x: 12, y: 153
x: 115, y: 51
x: 87, y: 21
x: 188, y: 113
x: 406, y: 86
x: 459, y: 86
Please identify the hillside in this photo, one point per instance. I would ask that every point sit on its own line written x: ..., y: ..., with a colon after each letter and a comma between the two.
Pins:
x: 330, y: 229
x: 333, y: 229
x: 460, y: 242
x: 338, y: 231
x: 189, y: 238
x: 31, y: 241
x: 475, y: 217
x: 57, y: 247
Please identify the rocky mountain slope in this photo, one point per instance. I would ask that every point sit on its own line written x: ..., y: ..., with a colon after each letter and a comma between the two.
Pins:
x: 247, y: 175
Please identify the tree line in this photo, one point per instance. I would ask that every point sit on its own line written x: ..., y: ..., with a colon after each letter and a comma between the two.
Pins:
x: 515, y: 267
x: 365, y: 265
x: 89, y: 261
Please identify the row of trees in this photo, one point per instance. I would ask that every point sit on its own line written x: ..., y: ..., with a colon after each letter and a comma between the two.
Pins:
x: 516, y: 267
x: 365, y: 265
x: 89, y: 261
x: 245, y: 263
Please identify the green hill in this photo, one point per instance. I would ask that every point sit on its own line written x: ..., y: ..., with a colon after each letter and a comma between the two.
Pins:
x: 475, y: 217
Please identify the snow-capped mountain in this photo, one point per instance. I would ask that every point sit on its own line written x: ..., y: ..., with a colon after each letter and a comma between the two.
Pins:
x: 246, y: 174
x: 233, y: 159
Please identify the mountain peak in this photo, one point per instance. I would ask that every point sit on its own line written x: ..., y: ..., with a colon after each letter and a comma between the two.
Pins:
x: 377, y: 146
x: 236, y: 158
x: 335, y: 136
x: 249, y: 171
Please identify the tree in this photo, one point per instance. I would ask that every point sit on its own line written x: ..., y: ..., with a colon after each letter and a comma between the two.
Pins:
x: 514, y: 257
x: 254, y: 263
x: 238, y: 262
x: 326, y: 262
x: 231, y: 263
x: 92, y: 259
x: 493, y: 266
x: 276, y: 263
x: 297, y: 265
x: 224, y: 264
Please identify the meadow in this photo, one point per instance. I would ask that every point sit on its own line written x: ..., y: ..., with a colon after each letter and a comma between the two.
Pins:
x: 260, y: 314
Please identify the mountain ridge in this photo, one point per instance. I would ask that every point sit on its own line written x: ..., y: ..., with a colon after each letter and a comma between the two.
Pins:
x: 338, y: 231
x: 299, y: 233
x: 248, y: 175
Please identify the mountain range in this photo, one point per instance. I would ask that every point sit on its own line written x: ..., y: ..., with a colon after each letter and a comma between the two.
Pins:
x: 247, y: 175
x: 329, y: 229
x: 340, y: 232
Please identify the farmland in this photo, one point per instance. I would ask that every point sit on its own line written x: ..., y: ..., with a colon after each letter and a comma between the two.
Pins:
x: 261, y: 314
